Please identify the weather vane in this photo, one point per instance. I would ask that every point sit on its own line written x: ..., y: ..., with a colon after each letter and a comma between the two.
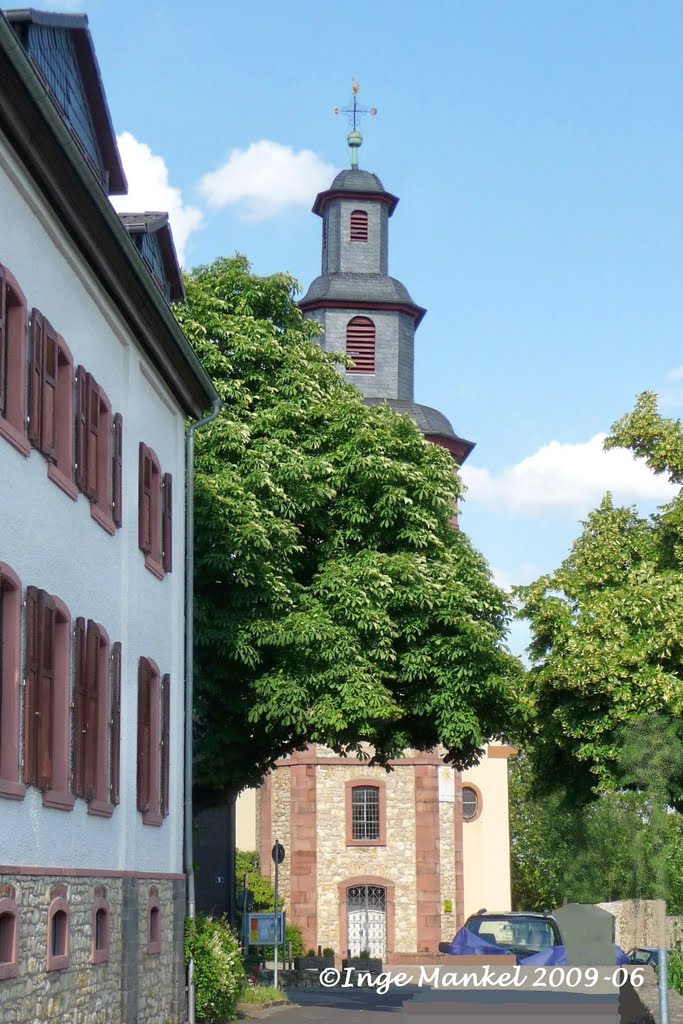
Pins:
x: 354, y: 114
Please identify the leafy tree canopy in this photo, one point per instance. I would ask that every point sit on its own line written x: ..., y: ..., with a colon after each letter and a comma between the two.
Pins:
x: 335, y: 603
x: 607, y: 629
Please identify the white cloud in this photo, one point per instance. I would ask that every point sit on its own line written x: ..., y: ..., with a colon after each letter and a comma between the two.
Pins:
x: 266, y: 179
x: 149, y: 189
x: 519, y: 575
x: 675, y: 374
x: 567, y: 478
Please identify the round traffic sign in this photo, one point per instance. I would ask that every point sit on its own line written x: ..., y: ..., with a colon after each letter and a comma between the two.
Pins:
x: 278, y: 853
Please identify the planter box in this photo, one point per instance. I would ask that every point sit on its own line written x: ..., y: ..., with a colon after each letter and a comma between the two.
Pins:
x: 313, y: 963
x: 373, y: 965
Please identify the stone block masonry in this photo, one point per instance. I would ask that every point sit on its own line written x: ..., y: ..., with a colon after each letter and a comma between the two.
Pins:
x: 130, y: 986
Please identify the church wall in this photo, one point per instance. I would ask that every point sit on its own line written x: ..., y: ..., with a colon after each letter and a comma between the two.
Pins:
x: 395, y: 862
x: 447, y: 860
x: 486, y: 840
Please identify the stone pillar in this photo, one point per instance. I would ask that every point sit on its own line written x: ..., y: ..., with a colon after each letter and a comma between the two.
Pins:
x: 303, y: 861
x: 130, y: 950
x: 265, y: 837
x: 427, y: 858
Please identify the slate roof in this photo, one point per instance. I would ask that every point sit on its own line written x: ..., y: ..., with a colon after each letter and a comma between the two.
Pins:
x: 430, y: 421
x: 77, y: 24
x: 153, y: 222
x: 358, y: 182
x: 346, y: 287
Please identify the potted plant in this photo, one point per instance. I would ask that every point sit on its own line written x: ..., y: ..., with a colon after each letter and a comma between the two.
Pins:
x: 364, y: 962
x: 315, y: 961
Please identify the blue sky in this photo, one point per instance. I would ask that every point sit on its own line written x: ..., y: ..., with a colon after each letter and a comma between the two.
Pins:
x: 537, y: 150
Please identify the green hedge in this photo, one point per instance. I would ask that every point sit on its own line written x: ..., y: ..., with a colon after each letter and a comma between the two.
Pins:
x: 219, y: 974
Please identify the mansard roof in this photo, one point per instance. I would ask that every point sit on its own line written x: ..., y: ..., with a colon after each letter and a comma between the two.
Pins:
x: 362, y: 290
x: 92, y: 100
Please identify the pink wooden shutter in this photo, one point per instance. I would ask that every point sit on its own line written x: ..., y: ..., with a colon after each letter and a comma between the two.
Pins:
x: 44, y: 699
x: 167, y: 523
x: 117, y: 470
x: 165, y: 740
x: 81, y: 428
x: 3, y: 340
x: 79, y: 716
x: 31, y: 685
x: 145, y: 500
x: 35, y: 377
x: 144, y: 733
x: 92, y: 685
x: 48, y: 411
x: 92, y: 431
x: 116, y: 724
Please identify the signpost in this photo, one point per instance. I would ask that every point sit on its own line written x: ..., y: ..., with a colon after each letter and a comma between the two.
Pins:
x: 278, y: 855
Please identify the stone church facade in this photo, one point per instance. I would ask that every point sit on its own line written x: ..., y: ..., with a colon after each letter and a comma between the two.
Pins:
x: 388, y: 862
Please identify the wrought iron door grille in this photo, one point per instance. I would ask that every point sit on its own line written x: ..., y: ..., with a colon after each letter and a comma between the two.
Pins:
x: 366, y: 916
x: 365, y: 812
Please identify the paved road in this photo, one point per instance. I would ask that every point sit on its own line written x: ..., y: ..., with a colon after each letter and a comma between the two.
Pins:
x: 359, y: 1006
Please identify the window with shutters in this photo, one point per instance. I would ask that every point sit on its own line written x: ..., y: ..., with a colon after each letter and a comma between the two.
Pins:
x: 9, y: 938
x: 92, y: 709
x: 365, y: 812
x: 359, y: 226
x: 98, y: 451
x: 50, y: 418
x: 46, y: 698
x: 360, y: 345
x: 57, y: 935
x: 153, y: 753
x: 10, y: 683
x: 155, y: 513
x: 12, y: 362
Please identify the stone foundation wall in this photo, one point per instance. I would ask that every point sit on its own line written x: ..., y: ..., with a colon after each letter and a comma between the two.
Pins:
x: 131, y: 987
x: 637, y: 922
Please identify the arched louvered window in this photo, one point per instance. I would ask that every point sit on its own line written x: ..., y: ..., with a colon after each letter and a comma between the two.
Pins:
x: 359, y: 226
x: 360, y: 344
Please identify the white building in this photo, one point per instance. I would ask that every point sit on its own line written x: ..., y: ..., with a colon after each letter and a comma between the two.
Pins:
x: 96, y: 383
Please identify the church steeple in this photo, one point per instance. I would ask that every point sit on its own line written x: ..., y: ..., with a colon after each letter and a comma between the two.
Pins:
x: 363, y: 311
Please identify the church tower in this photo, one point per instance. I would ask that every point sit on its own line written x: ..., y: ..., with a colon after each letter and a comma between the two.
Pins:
x: 363, y: 311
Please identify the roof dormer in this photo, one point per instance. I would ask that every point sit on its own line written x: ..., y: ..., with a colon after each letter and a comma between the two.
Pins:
x: 152, y: 235
x: 61, y: 51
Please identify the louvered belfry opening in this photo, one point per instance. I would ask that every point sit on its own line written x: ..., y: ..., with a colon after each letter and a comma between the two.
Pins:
x: 360, y: 344
x: 359, y: 226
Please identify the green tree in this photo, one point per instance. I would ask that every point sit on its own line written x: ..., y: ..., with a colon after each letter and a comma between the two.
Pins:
x: 616, y: 847
x: 335, y: 603
x: 607, y: 628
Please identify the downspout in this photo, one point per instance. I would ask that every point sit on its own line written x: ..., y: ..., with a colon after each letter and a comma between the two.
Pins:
x: 189, y: 677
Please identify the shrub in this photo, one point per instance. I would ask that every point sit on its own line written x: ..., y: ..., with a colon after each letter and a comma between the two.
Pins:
x: 293, y: 935
x: 311, y: 952
x: 328, y: 951
x: 219, y: 975
x: 675, y: 963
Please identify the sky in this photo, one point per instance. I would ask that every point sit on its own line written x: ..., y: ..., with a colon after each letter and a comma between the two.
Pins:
x: 537, y: 151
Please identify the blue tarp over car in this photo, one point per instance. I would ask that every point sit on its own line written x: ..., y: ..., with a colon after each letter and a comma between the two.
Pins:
x: 466, y: 943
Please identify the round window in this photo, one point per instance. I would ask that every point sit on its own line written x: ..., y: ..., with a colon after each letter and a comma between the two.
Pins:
x: 470, y: 803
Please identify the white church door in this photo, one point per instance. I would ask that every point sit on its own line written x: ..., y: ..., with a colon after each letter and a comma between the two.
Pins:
x: 366, y: 919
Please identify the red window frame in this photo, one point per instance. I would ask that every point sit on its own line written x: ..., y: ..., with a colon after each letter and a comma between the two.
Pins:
x: 12, y: 362
x: 155, y: 513
x: 92, y: 706
x: 9, y: 938
x: 153, y: 744
x: 11, y: 785
x: 98, y: 451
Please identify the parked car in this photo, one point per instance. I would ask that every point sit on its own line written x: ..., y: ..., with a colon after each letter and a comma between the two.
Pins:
x: 520, y: 933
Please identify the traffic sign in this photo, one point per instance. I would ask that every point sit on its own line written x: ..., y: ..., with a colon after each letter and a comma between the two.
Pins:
x: 278, y: 853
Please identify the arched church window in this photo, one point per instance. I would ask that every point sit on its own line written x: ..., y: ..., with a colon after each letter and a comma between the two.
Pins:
x: 360, y: 344
x: 471, y: 803
x: 359, y: 226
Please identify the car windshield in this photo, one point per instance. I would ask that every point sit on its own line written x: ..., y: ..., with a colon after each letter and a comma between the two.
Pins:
x: 517, y: 933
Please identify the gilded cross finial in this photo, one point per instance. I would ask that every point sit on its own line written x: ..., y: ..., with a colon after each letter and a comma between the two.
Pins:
x: 354, y: 113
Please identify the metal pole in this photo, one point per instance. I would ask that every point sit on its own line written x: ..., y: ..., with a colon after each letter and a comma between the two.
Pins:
x: 276, y: 944
x: 663, y: 985
x: 189, y: 675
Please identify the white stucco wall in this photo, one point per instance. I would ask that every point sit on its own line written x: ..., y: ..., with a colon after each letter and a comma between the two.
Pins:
x: 486, y: 840
x: 52, y: 542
